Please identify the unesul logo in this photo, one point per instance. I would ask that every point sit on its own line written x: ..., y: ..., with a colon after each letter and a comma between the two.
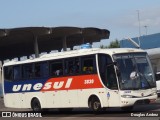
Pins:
x: 38, y: 86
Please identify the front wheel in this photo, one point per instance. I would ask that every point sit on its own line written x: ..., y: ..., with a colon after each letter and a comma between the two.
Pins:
x: 35, y: 105
x: 95, y: 104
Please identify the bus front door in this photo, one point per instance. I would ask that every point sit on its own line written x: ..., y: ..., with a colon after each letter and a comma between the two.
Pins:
x: 113, y: 98
x: 111, y: 83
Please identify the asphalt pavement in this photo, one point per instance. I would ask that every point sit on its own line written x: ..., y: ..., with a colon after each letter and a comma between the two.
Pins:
x: 146, y: 112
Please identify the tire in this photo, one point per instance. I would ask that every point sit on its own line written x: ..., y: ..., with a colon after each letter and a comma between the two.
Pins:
x: 95, y: 104
x: 35, y: 105
x: 128, y: 108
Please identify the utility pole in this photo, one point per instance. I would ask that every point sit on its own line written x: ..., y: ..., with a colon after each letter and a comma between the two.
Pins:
x: 139, y: 24
x: 139, y: 28
x: 146, y: 28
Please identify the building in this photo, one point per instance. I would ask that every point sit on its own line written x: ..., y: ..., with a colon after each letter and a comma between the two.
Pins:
x: 145, y: 42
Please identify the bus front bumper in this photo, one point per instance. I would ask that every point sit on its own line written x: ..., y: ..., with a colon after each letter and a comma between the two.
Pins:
x: 138, y: 101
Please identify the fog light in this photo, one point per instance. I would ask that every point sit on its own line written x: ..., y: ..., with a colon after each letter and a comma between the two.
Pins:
x: 154, y: 93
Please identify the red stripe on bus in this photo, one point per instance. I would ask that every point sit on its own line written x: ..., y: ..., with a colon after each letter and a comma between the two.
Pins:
x: 72, y: 82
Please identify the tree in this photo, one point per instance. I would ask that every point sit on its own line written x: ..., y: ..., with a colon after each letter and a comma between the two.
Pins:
x: 102, y: 46
x: 113, y: 44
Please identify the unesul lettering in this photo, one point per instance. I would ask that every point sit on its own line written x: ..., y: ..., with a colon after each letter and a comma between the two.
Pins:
x: 39, y: 86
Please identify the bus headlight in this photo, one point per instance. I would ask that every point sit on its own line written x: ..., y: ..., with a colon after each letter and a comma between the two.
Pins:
x: 127, y: 96
x: 154, y: 93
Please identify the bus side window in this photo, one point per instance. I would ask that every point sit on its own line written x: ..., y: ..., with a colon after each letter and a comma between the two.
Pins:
x: 8, y: 73
x: 37, y: 70
x: 16, y: 72
x: 27, y: 71
x: 107, y: 71
x: 44, y: 69
x: 41, y: 69
x: 69, y: 67
x: 72, y: 66
x: 88, y: 64
x: 56, y: 68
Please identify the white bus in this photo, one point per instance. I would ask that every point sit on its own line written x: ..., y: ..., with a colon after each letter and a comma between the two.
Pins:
x: 86, y: 78
x: 158, y: 83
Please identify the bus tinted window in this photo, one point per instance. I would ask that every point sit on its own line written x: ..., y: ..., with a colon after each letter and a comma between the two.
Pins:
x: 16, y: 72
x: 88, y: 64
x: 27, y: 71
x: 41, y: 69
x: 56, y: 68
x: 72, y: 66
x: 8, y: 73
x: 107, y: 72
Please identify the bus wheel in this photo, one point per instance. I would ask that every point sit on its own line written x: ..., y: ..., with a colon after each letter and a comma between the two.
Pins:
x: 128, y: 108
x: 35, y: 105
x: 95, y: 104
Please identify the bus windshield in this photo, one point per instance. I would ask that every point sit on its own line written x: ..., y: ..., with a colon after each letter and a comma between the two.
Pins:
x: 135, y: 71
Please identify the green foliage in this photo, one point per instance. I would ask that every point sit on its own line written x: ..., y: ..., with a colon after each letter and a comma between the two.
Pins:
x: 102, y: 46
x: 113, y: 44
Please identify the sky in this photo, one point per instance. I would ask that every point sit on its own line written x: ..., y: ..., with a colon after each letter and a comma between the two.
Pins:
x: 120, y: 17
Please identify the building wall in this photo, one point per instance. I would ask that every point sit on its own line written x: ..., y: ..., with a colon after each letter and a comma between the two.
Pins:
x: 146, y: 42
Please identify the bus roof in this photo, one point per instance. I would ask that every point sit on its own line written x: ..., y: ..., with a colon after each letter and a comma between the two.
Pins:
x: 74, y: 53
